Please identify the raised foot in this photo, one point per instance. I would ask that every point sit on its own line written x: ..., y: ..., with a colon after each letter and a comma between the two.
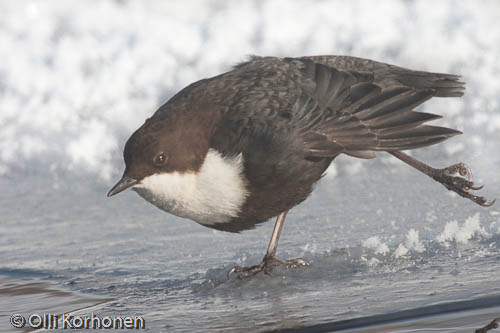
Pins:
x: 266, y: 266
x: 491, y: 326
x: 461, y: 185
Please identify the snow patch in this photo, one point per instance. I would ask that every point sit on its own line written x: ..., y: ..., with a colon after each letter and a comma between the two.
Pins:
x: 400, y: 251
x: 374, y: 243
x: 453, y: 232
x: 67, y: 66
x: 92, y: 149
x: 372, y: 262
x: 411, y: 243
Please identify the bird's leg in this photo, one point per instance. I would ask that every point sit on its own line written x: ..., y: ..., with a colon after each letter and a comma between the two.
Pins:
x: 494, y: 324
x: 461, y: 185
x: 270, y: 260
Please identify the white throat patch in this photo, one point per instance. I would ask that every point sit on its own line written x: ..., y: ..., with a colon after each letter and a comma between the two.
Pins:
x: 214, y: 194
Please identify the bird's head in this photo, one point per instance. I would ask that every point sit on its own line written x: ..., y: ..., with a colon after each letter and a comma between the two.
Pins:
x: 160, y: 147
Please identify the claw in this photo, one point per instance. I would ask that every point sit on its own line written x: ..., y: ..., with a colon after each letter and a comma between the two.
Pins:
x: 460, y: 185
x: 246, y: 271
x: 482, y: 201
x: 266, y: 266
x: 235, y: 269
x: 487, y: 203
x: 297, y: 263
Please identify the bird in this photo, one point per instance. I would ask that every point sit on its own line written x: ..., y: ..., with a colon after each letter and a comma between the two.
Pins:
x: 235, y: 150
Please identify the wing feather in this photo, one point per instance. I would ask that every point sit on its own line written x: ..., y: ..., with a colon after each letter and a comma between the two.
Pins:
x: 347, y: 112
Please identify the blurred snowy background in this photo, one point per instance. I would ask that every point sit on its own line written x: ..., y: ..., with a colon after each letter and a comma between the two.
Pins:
x: 78, y: 77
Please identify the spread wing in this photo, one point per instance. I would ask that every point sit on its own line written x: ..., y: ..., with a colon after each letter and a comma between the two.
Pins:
x: 358, y: 112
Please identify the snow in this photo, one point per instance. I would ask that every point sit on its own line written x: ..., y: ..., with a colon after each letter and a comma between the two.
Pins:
x: 113, y: 63
x: 400, y: 251
x: 412, y: 241
x: 375, y: 244
x: 453, y: 232
x: 83, y: 150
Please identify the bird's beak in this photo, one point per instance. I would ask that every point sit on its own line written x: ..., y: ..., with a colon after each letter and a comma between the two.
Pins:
x: 123, y: 184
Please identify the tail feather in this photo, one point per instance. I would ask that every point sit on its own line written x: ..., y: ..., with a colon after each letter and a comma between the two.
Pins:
x: 416, y: 132
x: 443, y: 85
x: 386, y: 76
x: 406, y: 100
x: 411, y: 143
x: 403, y: 119
x: 383, y: 121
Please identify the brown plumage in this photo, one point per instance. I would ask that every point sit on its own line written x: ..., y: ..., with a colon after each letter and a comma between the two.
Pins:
x: 307, y: 111
x: 285, y: 120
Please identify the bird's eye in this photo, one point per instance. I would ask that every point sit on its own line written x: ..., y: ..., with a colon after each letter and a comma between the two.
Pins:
x: 160, y: 159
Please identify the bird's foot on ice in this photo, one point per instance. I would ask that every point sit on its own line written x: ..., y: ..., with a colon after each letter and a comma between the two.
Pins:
x: 266, y: 266
x: 460, y: 184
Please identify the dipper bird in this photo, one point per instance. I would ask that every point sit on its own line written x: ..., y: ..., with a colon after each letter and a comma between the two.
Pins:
x: 237, y: 149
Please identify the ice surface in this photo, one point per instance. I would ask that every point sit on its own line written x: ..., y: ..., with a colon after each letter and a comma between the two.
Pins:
x: 77, y: 77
